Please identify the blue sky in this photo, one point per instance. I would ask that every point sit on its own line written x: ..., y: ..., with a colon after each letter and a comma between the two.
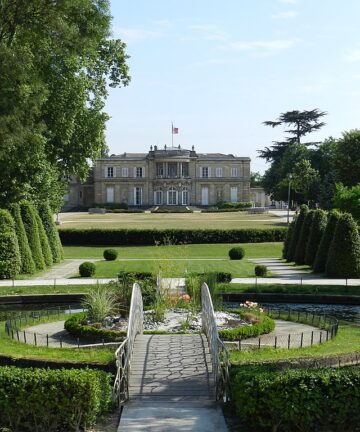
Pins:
x: 218, y: 69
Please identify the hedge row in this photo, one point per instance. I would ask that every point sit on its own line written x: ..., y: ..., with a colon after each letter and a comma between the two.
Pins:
x: 45, y: 400
x: 303, y: 400
x: 116, y: 237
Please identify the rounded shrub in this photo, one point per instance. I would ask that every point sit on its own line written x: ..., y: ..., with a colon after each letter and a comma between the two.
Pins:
x: 27, y: 262
x: 323, y: 251
x: 52, y: 234
x: 9, y: 254
x: 304, y: 209
x: 87, y: 269
x: 317, y: 229
x: 303, y: 239
x: 344, y: 254
x: 110, y: 254
x: 28, y: 216
x: 261, y: 270
x: 45, y: 247
x: 236, y: 253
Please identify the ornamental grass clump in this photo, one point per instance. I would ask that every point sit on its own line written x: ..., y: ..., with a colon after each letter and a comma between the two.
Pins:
x: 237, y: 253
x: 100, y: 304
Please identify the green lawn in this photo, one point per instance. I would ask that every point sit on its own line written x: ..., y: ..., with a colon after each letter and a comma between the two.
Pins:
x: 233, y: 220
x: 347, y: 341
x: 252, y: 250
x: 45, y: 289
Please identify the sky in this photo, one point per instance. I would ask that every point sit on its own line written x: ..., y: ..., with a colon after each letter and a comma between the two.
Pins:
x: 218, y: 69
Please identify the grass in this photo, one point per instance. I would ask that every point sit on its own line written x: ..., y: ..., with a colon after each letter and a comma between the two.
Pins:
x: 171, y: 220
x: 45, y: 289
x: 252, y: 250
x: 19, y: 350
x: 347, y: 341
x: 290, y: 289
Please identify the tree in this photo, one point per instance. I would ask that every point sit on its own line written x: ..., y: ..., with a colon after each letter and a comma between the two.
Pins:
x: 348, y: 158
x: 29, y: 219
x: 305, y: 180
x: 10, y: 260
x: 288, y: 238
x: 316, y: 232
x: 304, y: 238
x: 51, y: 231
x: 304, y: 209
x: 326, y: 239
x: 344, y: 254
x: 56, y: 59
x: 27, y: 263
x: 255, y: 179
x: 348, y: 199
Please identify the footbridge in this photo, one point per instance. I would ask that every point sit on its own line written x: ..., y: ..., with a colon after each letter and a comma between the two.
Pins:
x: 171, y: 382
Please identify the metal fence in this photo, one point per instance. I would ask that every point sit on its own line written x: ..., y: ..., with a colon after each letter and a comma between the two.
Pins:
x: 326, y: 328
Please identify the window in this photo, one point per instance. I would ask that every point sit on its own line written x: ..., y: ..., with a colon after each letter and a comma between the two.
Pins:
x: 110, y: 194
x: 233, y: 172
x: 138, y: 196
x: 233, y: 194
x: 219, y: 172
x: 139, y: 172
x: 185, y: 169
x: 110, y: 171
x: 205, y: 172
x: 172, y: 196
x: 125, y: 172
x: 67, y: 197
x: 185, y: 196
x: 160, y: 169
x: 158, y: 197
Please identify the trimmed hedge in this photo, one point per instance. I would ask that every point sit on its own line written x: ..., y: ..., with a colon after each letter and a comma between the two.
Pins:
x: 119, y: 237
x: 233, y: 205
x: 265, y: 325
x: 323, y: 251
x: 27, y: 262
x: 110, y: 254
x: 323, y: 400
x: 28, y: 216
x: 45, y: 400
x: 260, y: 270
x: 303, y: 239
x: 296, y: 234
x: 45, y: 246
x: 76, y: 325
x: 316, y: 231
x: 9, y: 255
x: 236, y: 253
x: 288, y: 238
x: 344, y: 253
x: 87, y: 269
x: 52, y: 234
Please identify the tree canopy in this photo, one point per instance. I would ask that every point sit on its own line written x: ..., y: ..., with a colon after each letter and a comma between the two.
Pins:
x: 56, y: 60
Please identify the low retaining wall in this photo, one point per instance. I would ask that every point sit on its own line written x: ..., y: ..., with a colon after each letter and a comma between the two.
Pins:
x: 40, y: 298
x: 291, y: 298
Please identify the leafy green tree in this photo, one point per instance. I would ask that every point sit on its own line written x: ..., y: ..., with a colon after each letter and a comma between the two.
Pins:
x: 348, y: 158
x: 304, y: 238
x: 316, y: 232
x: 344, y: 254
x: 28, y: 215
x: 348, y: 199
x: 326, y: 239
x: 304, y: 209
x: 56, y: 59
x: 255, y: 179
x: 305, y: 179
x: 45, y: 246
x: 10, y: 260
x: 27, y: 263
x: 288, y: 238
x: 46, y: 216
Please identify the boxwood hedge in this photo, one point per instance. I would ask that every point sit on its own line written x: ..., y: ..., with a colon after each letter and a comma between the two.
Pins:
x: 116, y: 237
x: 304, y: 400
x: 45, y: 400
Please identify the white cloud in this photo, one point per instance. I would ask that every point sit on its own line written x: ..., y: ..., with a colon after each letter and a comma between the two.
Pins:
x: 263, y: 47
x: 353, y: 56
x: 129, y: 35
x: 285, y: 15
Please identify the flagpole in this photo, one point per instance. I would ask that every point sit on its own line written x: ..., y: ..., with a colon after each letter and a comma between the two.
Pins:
x: 172, y: 134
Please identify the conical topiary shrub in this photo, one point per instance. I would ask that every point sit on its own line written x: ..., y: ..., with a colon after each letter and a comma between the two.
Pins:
x: 27, y: 263
x: 303, y: 239
x: 51, y: 231
x: 28, y: 216
x: 344, y: 254
x: 288, y: 238
x: 323, y: 250
x: 45, y: 247
x: 304, y: 209
x: 10, y: 260
x: 316, y: 231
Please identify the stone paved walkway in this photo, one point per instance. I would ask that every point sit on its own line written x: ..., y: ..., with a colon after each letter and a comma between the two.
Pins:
x: 66, y: 269
x: 171, y: 386
x: 282, y: 269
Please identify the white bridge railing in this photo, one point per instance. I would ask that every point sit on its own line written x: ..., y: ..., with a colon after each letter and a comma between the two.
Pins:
x: 219, y: 354
x: 123, y: 354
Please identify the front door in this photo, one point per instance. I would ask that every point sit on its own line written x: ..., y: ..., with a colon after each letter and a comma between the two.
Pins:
x: 205, y: 196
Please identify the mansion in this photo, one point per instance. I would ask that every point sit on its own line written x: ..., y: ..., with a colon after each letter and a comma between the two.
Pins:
x: 170, y: 176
